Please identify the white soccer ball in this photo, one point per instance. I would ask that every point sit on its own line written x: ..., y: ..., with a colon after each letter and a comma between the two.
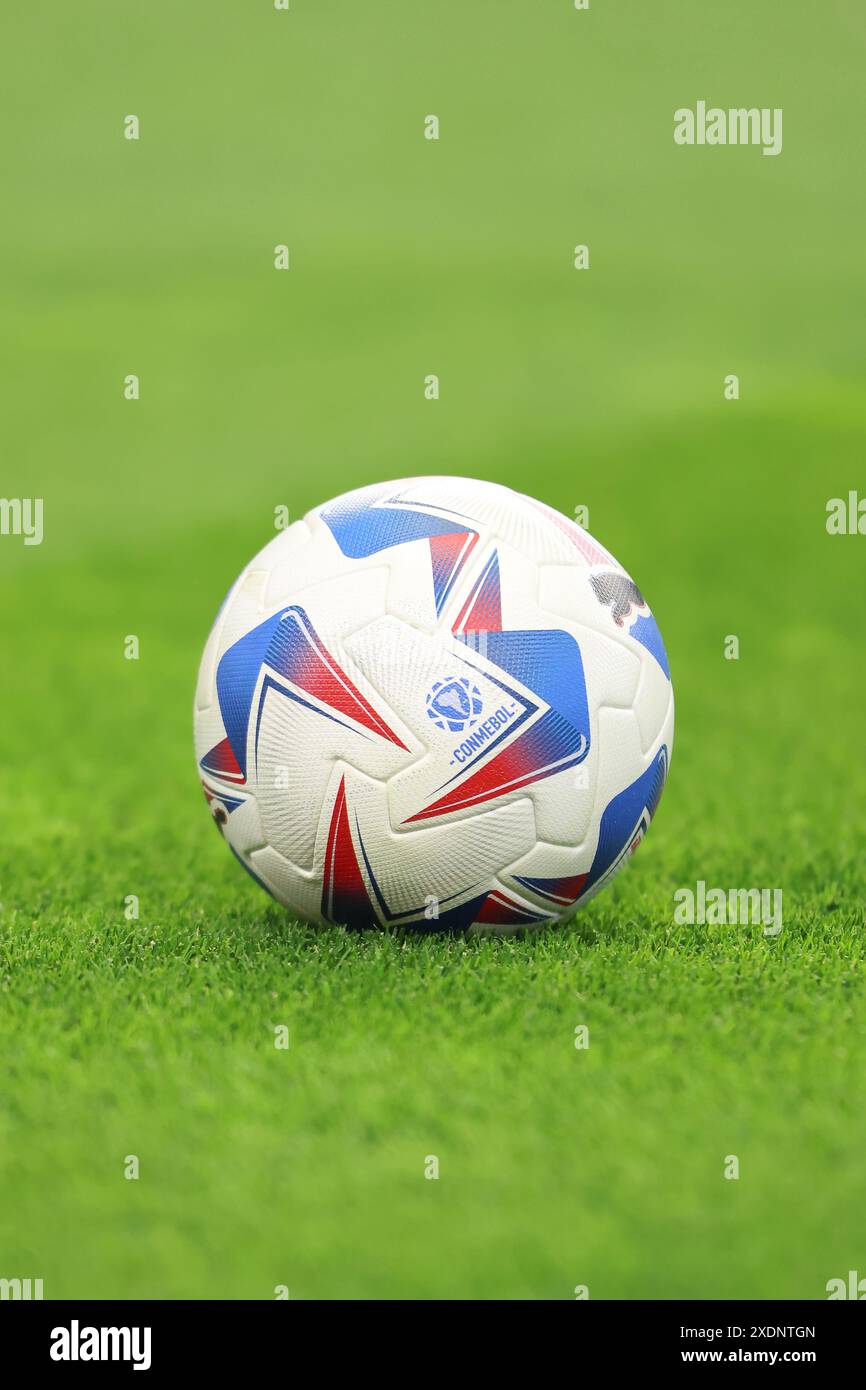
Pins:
x: 434, y: 704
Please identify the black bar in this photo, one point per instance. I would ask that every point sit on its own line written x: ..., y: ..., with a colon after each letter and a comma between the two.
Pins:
x: 229, y: 1338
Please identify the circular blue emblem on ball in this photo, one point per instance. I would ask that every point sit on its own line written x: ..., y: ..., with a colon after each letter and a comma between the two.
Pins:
x: 454, y: 704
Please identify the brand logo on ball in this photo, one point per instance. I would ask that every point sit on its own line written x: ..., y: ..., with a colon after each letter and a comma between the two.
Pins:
x: 454, y: 704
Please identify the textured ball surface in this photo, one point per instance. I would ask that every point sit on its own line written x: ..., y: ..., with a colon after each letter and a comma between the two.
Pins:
x: 434, y: 704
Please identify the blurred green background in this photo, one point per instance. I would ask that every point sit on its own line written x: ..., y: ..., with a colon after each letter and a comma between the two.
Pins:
x: 602, y: 388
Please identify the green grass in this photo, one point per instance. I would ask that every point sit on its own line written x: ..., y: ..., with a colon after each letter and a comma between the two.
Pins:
x: 155, y: 1037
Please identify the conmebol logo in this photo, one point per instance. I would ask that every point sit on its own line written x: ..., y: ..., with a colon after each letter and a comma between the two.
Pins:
x: 454, y: 704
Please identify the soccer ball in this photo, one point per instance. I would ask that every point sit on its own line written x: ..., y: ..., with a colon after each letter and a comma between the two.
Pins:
x: 434, y: 704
